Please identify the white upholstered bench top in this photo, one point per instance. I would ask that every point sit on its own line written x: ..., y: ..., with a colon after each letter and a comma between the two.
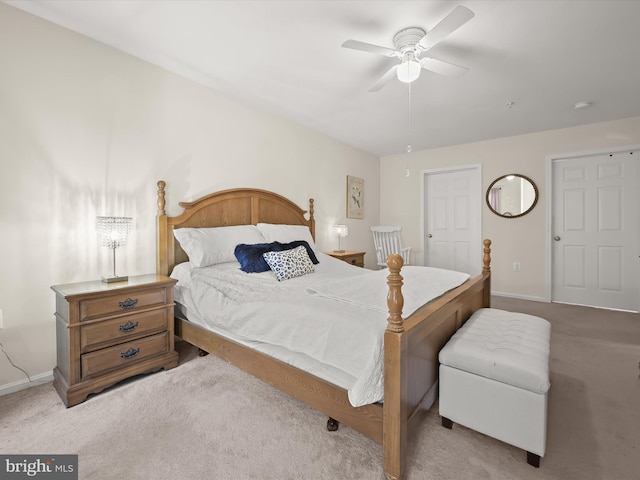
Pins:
x: 508, y: 347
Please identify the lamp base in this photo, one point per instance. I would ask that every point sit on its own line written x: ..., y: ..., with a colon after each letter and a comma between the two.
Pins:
x: 339, y: 251
x: 114, y: 279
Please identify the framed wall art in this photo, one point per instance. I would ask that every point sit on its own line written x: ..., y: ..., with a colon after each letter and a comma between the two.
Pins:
x: 355, y: 197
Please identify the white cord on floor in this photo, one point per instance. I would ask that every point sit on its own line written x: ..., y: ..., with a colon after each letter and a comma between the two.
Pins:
x: 13, y: 364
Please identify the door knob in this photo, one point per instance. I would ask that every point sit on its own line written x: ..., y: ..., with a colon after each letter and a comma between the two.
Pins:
x: 556, y: 238
x: 429, y: 236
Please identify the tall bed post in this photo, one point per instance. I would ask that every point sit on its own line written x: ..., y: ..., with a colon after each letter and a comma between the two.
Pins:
x: 312, y: 219
x: 395, y: 424
x: 162, y: 265
x: 486, y: 272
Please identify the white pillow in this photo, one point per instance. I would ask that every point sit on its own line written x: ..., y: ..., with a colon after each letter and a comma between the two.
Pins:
x: 210, y: 246
x: 286, y: 233
x: 289, y: 263
x: 182, y: 273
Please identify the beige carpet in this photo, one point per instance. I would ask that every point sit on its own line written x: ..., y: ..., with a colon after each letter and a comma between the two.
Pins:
x: 208, y: 420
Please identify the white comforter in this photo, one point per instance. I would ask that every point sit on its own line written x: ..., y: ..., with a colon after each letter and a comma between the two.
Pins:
x: 335, y: 316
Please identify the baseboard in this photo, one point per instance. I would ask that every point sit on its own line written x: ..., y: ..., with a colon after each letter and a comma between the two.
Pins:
x: 520, y: 297
x: 23, y: 384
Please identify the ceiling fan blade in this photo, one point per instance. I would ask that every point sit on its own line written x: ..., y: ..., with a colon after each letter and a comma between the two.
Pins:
x: 370, y: 48
x: 458, y: 17
x: 386, y: 78
x: 442, y: 67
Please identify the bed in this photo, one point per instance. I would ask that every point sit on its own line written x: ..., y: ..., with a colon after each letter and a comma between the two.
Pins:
x: 410, y: 344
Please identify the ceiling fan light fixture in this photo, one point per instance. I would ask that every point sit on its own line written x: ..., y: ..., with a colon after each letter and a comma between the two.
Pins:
x: 410, y: 43
x: 409, y: 70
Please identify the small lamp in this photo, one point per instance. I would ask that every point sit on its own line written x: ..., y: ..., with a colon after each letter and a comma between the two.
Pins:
x: 113, y: 233
x: 341, y: 231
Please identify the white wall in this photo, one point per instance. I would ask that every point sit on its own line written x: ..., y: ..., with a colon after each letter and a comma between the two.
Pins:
x: 520, y: 239
x: 87, y: 130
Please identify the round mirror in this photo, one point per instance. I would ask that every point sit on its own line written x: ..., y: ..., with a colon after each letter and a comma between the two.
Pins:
x: 512, y: 195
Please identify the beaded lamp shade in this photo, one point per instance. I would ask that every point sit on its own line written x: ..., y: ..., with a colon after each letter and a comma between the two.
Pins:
x: 114, y: 232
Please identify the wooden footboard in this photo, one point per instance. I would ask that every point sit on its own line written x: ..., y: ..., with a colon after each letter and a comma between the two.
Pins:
x: 411, y: 348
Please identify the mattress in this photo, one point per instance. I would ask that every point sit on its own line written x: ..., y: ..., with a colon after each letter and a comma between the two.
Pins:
x: 329, y: 323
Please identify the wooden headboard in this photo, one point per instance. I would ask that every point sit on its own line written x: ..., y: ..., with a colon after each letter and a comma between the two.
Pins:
x: 238, y: 206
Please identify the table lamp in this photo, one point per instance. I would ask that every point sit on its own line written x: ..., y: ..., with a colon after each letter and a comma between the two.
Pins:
x: 113, y: 233
x: 342, y: 231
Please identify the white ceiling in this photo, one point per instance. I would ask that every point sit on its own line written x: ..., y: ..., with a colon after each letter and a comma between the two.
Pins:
x: 529, y: 62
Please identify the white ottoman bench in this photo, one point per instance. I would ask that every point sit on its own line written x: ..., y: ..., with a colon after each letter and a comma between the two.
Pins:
x: 494, y: 378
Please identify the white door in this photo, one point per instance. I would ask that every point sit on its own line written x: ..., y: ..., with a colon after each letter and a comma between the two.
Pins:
x: 596, y: 230
x: 453, y: 208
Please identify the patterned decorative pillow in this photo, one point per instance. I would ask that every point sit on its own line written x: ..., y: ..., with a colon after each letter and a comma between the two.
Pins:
x: 289, y: 264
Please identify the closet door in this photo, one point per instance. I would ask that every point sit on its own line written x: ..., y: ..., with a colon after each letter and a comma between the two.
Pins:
x: 452, y: 206
x: 596, y: 230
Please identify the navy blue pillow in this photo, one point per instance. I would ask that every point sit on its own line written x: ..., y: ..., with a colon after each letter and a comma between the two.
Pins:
x: 252, y: 261
x: 250, y: 257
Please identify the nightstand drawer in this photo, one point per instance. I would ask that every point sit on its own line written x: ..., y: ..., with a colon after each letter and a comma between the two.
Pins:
x: 120, y: 329
x: 119, y: 356
x: 356, y: 260
x: 121, y: 302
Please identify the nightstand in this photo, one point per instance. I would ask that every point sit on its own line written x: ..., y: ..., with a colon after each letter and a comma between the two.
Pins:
x: 106, y: 332
x: 354, y: 258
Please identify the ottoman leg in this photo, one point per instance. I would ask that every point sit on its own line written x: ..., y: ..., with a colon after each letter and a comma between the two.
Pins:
x: 446, y: 423
x: 533, y: 459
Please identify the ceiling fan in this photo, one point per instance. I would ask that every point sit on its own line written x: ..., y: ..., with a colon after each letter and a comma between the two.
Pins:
x: 410, y: 43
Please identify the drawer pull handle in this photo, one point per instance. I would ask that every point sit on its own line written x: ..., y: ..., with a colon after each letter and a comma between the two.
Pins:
x: 132, y: 352
x: 129, y: 326
x: 128, y: 303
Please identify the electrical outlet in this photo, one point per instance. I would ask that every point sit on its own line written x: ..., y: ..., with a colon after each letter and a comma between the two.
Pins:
x: 516, y: 266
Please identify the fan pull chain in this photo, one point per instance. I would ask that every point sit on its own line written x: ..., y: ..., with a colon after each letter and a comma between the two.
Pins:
x: 409, y: 147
